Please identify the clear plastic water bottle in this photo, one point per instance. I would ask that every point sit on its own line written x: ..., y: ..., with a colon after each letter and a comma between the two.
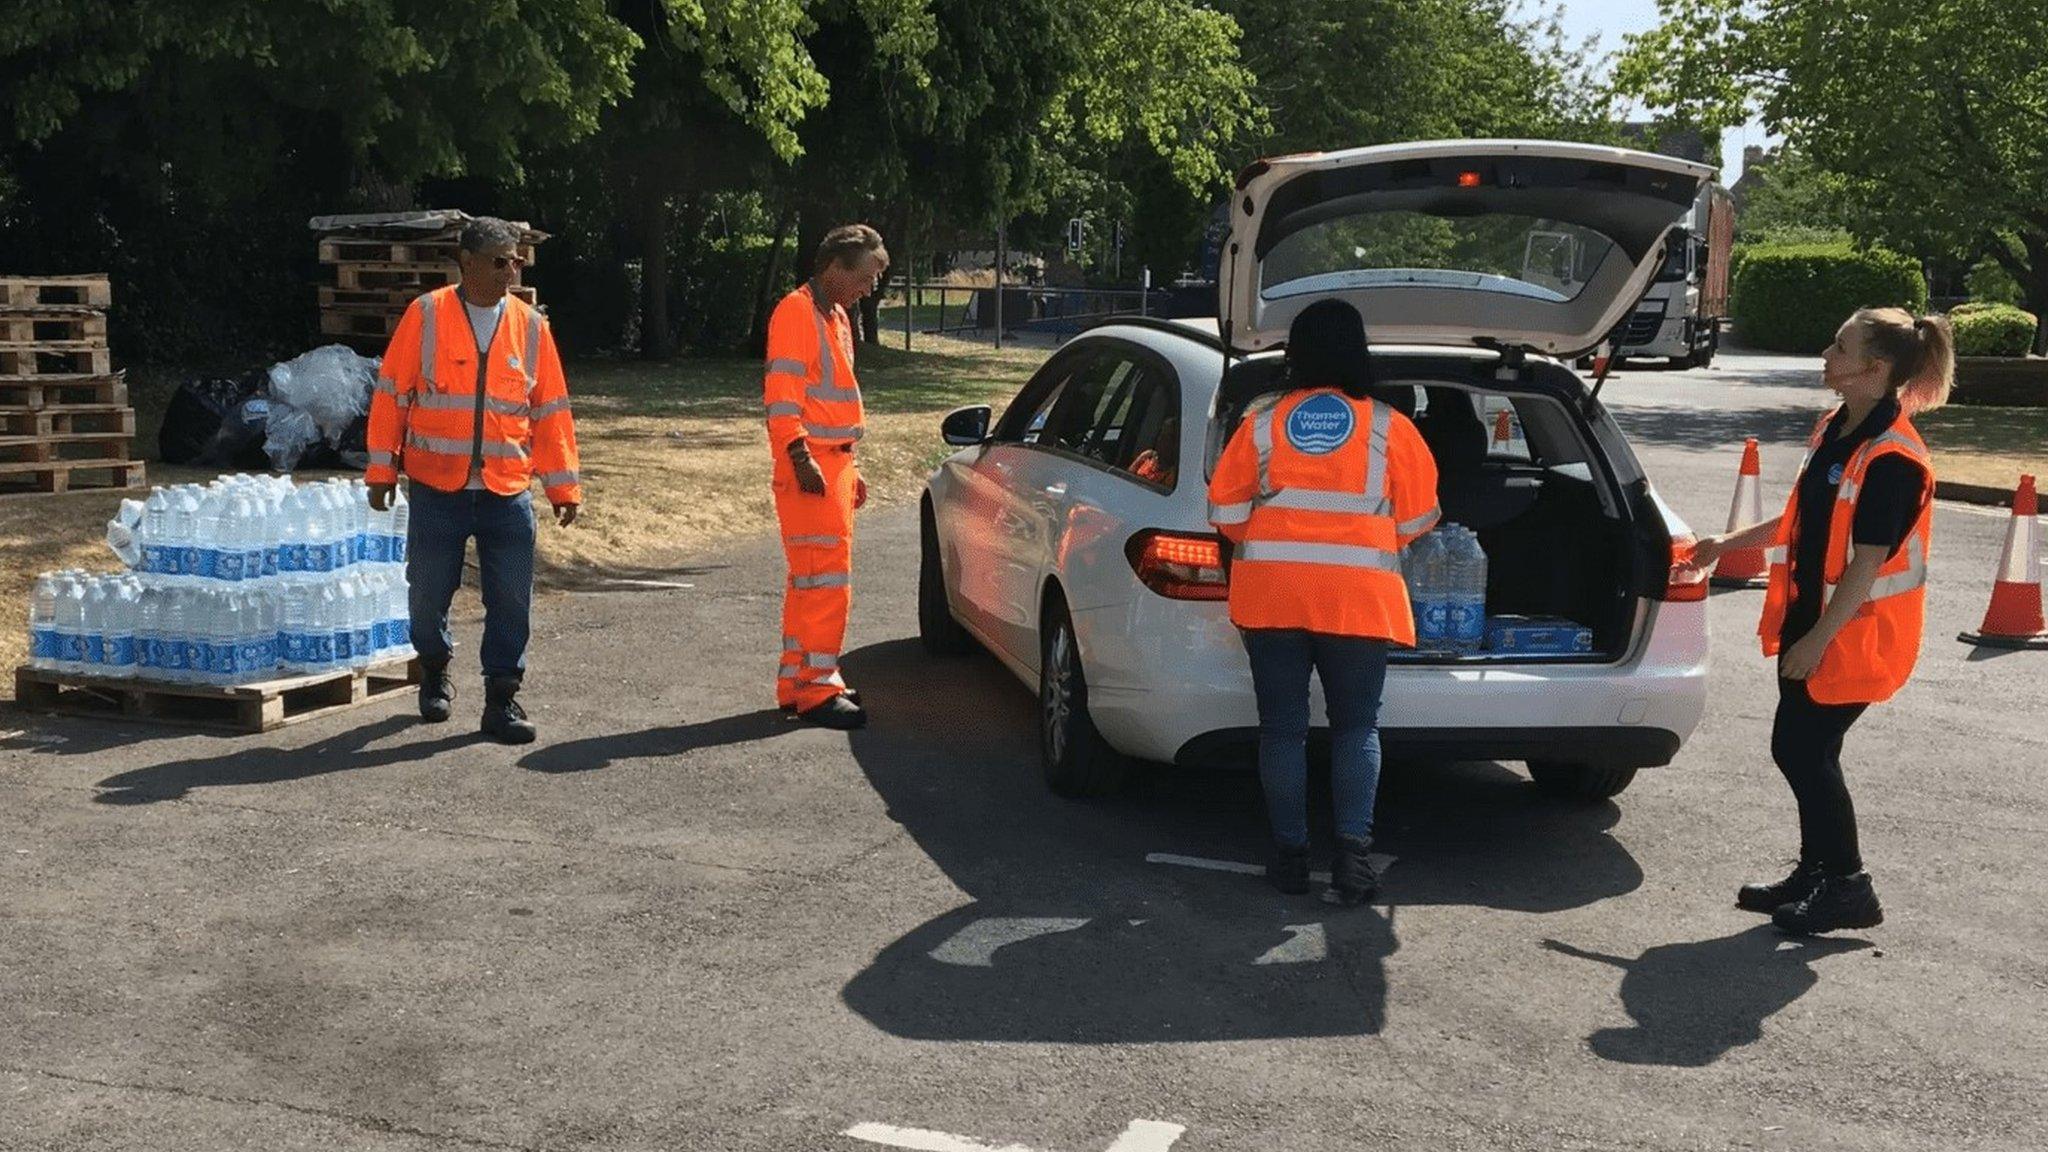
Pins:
x: 1416, y: 572
x: 92, y: 626
x: 170, y: 642
x: 1467, y: 592
x: 149, y: 627
x: 292, y: 626
x: 401, y: 521
x: 155, y: 523
x: 124, y: 607
x: 44, y: 646
x: 211, y: 528
x: 363, y: 621
x: 70, y: 623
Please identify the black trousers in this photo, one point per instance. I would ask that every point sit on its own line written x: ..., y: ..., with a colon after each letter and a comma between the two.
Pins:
x: 1806, y: 741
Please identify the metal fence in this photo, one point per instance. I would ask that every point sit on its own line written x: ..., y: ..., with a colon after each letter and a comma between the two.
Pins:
x: 1013, y: 310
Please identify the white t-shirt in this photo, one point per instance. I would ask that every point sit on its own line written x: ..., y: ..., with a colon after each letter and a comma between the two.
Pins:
x: 484, y: 322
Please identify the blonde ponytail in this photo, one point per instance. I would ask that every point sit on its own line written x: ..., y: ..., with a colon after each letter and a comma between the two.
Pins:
x: 1921, y: 351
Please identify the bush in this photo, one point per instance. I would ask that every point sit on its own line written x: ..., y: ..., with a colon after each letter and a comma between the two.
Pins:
x: 1792, y: 298
x: 1989, y: 282
x: 1969, y: 306
x: 1993, y: 330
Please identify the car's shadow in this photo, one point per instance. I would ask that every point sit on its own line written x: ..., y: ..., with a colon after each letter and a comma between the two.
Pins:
x: 1071, y: 935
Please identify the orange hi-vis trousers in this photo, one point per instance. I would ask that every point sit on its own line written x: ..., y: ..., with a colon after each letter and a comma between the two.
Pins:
x: 817, y: 537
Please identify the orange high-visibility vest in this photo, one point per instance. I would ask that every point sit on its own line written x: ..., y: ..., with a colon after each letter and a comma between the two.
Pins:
x: 437, y: 405
x: 1320, y: 492
x: 810, y: 388
x: 1874, y: 653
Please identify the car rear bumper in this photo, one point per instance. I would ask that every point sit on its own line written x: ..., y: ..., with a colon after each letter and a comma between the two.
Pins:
x: 1188, y: 685
x: 1614, y: 746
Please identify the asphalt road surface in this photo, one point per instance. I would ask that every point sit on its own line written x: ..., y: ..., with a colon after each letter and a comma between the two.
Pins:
x: 683, y: 922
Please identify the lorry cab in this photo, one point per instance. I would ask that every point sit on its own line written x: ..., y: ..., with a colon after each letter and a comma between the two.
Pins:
x: 1680, y: 314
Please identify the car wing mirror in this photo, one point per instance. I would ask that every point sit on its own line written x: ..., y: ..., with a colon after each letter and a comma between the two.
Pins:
x: 967, y: 427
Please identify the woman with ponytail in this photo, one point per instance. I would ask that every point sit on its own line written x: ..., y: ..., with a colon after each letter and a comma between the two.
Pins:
x: 1847, y: 594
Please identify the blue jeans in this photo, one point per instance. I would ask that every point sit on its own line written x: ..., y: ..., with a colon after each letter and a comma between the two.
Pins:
x: 442, y: 522
x: 1353, y: 670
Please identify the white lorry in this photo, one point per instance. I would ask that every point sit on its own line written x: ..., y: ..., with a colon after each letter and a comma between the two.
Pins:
x: 1680, y: 315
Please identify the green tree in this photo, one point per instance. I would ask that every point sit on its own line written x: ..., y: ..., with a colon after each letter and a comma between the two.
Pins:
x: 1933, y: 114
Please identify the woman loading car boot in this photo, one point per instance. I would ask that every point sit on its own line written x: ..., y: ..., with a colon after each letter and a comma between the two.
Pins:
x: 1319, y: 489
x: 1847, y: 595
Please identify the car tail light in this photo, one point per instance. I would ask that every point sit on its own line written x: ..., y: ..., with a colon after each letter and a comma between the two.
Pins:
x: 1180, y: 565
x: 1684, y: 584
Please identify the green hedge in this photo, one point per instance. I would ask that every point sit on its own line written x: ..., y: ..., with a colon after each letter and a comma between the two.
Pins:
x: 1792, y: 298
x: 1993, y: 330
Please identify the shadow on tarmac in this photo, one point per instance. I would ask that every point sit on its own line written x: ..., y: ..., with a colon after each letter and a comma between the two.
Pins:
x: 346, y: 751
x: 603, y: 751
x: 1692, y: 1003
x: 1713, y: 430
x: 1072, y: 937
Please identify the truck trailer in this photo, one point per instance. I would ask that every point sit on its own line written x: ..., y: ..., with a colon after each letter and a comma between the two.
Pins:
x: 1680, y: 315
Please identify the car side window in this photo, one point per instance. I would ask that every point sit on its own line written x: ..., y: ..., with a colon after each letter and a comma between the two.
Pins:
x: 1025, y: 420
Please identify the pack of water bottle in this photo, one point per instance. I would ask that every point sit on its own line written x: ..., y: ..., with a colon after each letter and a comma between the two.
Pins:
x: 240, y: 580
x: 1446, y: 575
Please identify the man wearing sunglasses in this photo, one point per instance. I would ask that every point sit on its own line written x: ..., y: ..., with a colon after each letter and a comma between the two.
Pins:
x: 471, y: 405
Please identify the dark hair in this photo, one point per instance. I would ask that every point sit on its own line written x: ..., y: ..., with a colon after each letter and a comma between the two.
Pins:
x: 845, y: 244
x: 1920, y: 349
x: 1326, y: 349
x: 487, y: 232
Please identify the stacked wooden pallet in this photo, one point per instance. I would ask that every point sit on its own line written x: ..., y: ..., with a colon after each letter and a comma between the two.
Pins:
x: 64, y: 417
x: 380, y: 268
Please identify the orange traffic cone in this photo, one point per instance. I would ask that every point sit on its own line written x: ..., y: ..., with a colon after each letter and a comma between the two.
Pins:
x: 1745, y: 567
x: 1501, y: 437
x: 2014, y: 618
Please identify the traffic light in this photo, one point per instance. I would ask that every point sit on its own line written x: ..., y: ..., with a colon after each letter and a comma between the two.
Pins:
x: 1074, y: 234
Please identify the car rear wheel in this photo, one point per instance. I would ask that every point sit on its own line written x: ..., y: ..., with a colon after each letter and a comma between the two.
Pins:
x: 941, y: 634
x: 1076, y: 759
x: 1579, y: 781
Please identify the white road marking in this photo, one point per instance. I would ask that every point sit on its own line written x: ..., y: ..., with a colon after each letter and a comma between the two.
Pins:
x: 1147, y: 1136
x: 1141, y: 1136
x: 922, y: 1139
x: 1307, y: 944
x: 1380, y: 860
x: 975, y: 944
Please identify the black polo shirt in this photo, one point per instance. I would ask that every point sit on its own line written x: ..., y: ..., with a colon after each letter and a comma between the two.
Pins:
x: 1894, y: 488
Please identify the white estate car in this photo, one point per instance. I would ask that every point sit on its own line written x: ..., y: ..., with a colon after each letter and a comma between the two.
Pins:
x: 1071, y: 537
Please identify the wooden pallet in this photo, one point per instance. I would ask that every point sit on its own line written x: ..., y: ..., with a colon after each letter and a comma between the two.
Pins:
x: 415, y: 277
x: 345, y: 250
x: 70, y: 420
x: 64, y: 390
x: 393, y: 301
x: 57, y: 476
x: 52, y: 325
x: 378, y: 324
x: 55, y: 358
x: 63, y: 447
x: 32, y: 291
x: 244, y: 709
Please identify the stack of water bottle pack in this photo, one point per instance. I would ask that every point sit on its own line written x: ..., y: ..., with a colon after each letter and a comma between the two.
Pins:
x: 234, y: 582
x: 1446, y: 575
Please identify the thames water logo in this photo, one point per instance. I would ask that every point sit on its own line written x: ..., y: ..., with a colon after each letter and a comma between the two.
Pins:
x: 1320, y: 424
x: 1835, y: 474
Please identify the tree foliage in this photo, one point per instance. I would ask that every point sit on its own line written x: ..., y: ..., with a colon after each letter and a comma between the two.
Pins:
x: 1931, y: 114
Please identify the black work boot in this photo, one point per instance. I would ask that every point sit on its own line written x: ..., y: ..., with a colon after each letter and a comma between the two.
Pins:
x: 504, y: 720
x: 838, y: 713
x: 1790, y: 890
x: 437, y: 690
x: 1289, y: 869
x: 1835, y: 902
x: 1353, y: 879
x: 852, y: 696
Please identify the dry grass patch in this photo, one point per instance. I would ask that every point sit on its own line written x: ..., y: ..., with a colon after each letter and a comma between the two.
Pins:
x: 1988, y: 446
